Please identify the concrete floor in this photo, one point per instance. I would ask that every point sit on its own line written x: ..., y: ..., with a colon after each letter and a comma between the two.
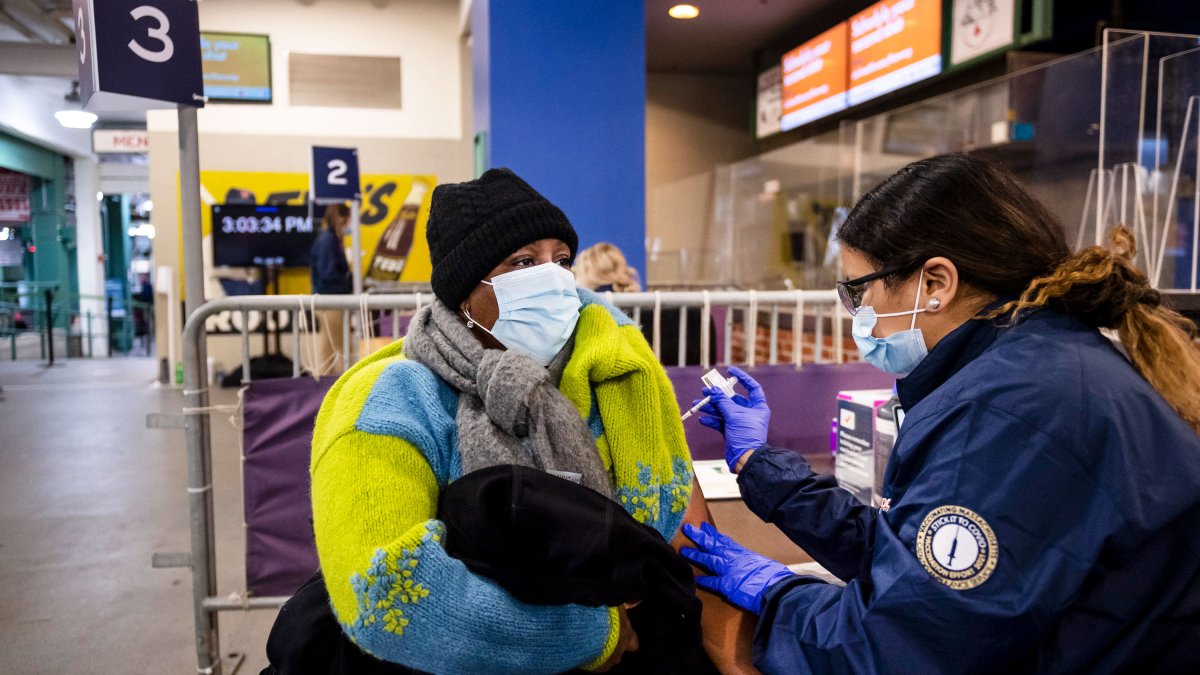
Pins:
x: 87, y: 495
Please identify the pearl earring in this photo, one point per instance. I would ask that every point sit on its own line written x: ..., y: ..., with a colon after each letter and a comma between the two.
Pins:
x: 934, y: 303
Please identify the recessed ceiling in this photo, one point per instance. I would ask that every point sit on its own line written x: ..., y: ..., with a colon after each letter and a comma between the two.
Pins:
x: 726, y: 35
x: 38, y: 20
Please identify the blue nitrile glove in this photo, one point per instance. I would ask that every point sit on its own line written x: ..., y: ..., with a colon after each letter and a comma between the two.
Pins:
x: 739, y: 574
x: 743, y: 420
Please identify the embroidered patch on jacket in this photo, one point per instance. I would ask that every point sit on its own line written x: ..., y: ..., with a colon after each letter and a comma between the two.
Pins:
x: 957, y: 547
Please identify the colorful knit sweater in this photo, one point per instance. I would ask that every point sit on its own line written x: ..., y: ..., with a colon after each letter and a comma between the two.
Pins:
x: 384, y: 445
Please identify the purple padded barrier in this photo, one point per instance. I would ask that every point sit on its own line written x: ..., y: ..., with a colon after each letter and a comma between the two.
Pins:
x: 802, y: 403
x: 277, y: 441
x: 383, y: 325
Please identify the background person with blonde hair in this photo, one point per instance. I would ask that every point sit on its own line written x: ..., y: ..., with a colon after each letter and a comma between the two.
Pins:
x: 602, y: 267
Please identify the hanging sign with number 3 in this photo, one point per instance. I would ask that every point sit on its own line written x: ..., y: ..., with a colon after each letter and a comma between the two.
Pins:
x: 149, y: 49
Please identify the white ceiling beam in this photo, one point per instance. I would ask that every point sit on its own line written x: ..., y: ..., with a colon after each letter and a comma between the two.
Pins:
x: 39, y: 20
x: 12, y: 21
x: 38, y: 58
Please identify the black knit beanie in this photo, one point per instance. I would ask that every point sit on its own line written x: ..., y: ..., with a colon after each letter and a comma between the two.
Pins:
x: 473, y: 226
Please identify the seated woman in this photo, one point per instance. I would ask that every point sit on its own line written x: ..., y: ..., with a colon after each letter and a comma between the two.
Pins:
x: 510, y: 365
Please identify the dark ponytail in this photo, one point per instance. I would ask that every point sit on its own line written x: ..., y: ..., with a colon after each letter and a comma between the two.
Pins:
x: 1005, y: 243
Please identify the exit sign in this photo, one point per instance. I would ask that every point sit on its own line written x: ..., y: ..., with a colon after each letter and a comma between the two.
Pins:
x: 120, y: 141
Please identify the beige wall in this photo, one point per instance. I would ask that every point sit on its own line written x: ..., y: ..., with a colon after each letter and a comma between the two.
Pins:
x: 424, y: 34
x: 428, y: 136
x: 694, y: 123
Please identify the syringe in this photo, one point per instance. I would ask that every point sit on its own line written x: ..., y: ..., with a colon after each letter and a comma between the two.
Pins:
x: 692, y: 411
x: 712, y: 378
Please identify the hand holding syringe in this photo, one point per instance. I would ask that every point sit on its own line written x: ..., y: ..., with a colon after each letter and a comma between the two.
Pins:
x: 712, y: 379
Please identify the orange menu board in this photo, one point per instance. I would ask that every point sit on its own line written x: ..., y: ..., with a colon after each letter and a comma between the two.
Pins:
x: 814, y: 78
x: 893, y: 44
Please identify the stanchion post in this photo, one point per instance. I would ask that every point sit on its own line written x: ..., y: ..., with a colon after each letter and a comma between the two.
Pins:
x: 50, y: 325
x: 108, y: 333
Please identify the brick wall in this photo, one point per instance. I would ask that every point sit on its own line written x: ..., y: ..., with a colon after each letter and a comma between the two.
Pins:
x: 808, y: 347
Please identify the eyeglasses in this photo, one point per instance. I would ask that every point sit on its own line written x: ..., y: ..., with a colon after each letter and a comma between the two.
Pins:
x: 851, y: 291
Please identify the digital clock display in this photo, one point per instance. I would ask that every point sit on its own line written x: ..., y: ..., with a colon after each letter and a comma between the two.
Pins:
x: 249, y: 235
x: 265, y: 224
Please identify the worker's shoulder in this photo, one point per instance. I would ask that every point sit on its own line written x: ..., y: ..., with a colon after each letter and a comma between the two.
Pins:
x: 1054, y: 375
x: 1053, y: 357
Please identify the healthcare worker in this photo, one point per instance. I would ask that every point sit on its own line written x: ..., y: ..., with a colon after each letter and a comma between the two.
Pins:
x: 1041, y: 508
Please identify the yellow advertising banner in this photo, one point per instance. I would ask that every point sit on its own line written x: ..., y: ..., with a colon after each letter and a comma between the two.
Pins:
x: 393, y: 215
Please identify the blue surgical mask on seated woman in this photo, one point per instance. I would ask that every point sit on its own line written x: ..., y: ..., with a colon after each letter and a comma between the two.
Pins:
x: 899, y: 353
x: 539, y: 307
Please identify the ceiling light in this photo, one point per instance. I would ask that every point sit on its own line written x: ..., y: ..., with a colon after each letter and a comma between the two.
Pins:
x: 75, y: 119
x: 684, y: 12
x: 72, y: 116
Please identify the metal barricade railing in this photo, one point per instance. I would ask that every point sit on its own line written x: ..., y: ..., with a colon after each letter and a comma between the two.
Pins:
x: 741, y: 311
x: 54, y: 317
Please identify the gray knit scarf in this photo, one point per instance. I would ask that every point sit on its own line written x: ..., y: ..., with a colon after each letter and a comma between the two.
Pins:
x: 510, y: 410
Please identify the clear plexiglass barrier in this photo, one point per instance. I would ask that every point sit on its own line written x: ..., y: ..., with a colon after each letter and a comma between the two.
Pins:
x: 1104, y: 137
x: 1146, y: 169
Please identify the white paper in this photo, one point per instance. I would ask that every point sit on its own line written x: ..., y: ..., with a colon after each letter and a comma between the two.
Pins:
x: 716, y: 481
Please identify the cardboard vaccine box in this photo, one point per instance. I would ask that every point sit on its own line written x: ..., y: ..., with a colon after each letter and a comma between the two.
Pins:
x: 854, y: 467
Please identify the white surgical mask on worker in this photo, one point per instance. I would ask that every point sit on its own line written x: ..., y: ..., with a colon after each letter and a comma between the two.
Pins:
x: 539, y: 307
x: 898, y: 353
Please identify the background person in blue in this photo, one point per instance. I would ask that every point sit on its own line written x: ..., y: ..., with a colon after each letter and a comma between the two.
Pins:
x: 1042, y: 503
x: 331, y: 275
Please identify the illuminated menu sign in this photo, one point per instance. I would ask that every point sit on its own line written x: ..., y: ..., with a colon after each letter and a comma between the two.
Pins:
x: 237, y: 67
x: 814, y: 78
x: 893, y: 44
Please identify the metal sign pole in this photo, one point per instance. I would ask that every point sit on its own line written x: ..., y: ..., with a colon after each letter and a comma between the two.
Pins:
x: 195, y: 396
x: 356, y: 270
x: 335, y: 180
x: 356, y: 246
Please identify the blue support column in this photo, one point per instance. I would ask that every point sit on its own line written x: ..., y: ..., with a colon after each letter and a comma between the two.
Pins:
x: 560, y: 98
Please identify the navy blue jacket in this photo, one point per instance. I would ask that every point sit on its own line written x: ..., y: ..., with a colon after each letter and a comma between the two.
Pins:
x: 1044, y: 516
x: 327, y: 260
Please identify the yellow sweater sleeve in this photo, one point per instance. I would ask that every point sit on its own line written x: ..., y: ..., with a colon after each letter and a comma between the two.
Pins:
x: 390, y: 502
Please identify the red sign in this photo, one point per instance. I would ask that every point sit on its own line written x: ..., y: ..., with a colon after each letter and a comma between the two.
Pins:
x: 14, y: 196
x: 120, y: 140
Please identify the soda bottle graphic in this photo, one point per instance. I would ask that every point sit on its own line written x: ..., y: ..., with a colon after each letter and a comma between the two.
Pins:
x: 391, y: 252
